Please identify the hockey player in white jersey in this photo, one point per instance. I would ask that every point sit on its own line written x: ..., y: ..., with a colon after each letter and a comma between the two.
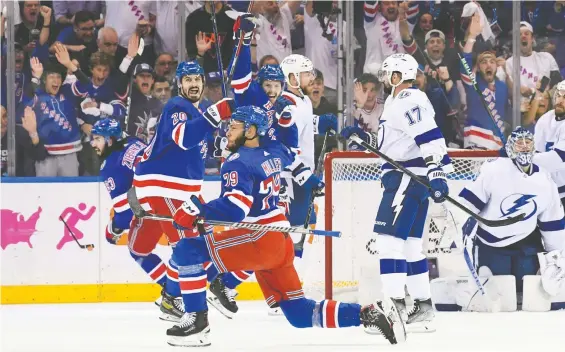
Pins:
x: 300, y: 182
x: 508, y: 187
x: 549, y: 140
x: 408, y: 134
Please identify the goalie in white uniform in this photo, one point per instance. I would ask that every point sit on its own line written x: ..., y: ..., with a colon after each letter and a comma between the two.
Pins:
x: 508, y: 187
x: 408, y: 134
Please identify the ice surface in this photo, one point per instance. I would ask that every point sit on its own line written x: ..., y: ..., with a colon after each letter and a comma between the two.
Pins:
x: 135, y: 327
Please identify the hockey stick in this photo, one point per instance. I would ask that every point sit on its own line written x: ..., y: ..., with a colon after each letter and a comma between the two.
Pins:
x: 494, y: 304
x: 139, y: 212
x: 299, y: 247
x: 88, y: 247
x: 238, y: 48
x: 420, y: 180
x: 217, y: 45
x: 481, y: 97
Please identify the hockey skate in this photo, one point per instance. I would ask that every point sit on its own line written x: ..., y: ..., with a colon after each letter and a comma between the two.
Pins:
x: 222, y: 298
x: 420, y: 317
x: 172, y: 308
x: 192, y: 331
x: 400, y: 305
x: 160, y: 298
x: 384, y: 317
x: 275, y: 310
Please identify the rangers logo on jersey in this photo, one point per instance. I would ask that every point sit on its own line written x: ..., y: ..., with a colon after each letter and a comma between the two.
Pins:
x: 518, y: 203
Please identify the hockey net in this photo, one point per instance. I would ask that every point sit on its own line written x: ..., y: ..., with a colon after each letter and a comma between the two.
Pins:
x: 347, y: 268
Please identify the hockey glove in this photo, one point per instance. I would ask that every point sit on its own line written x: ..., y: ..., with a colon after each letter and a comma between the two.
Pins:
x: 113, y: 234
x: 220, y: 111
x: 438, y: 183
x: 220, y: 145
x: 348, y: 131
x: 185, y: 217
x: 246, y: 24
x: 281, y: 103
x: 325, y: 123
x: 305, y: 178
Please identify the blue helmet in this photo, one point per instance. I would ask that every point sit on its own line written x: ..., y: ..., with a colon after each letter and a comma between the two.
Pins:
x: 107, y: 128
x: 252, y: 115
x: 520, y: 146
x: 270, y: 73
x: 186, y: 68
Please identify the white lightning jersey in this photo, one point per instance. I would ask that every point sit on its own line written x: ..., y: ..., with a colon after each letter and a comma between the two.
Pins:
x: 501, y: 190
x: 303, y: 117
x: 408, y: 132
x: 549, y: 140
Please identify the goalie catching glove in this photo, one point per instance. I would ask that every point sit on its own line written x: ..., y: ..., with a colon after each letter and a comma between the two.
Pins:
x: 552, y: 269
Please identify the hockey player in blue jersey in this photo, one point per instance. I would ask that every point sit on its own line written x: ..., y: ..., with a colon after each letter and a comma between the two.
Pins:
x: 408, y: 134
x: 250, y: 188
x: 120, y: 156
x: 508, y: 187
x: 171, y: 170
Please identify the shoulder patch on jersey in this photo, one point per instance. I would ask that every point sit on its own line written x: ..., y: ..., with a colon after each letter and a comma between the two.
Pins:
x: 404, y: 94
x: 232, y: 157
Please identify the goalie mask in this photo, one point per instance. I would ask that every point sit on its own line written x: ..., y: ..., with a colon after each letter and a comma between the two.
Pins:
x: 520, y: 147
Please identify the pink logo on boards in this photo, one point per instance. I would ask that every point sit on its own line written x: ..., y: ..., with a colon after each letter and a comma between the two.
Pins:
x: 15, y: 229
x: 72, y: 216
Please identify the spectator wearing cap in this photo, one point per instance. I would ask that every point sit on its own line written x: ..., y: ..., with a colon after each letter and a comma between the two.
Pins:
x: 165, y: 66
x: 143, y: 106
x: 483, y: 126
x: 65, y: 11
x: 162, y: 89
x: 80, y: 39
x: 213, y: 87
x: 382, y: 26
x: 200, y: 41
x: 369, y: 99
x: 129, y: 17
x: 533, y: 65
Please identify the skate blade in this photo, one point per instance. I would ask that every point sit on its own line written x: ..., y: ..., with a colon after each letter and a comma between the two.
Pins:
x: 201, y: 339
x: 275, y: 312
x: 216, y: 304
x: 169, y: 317
x: 158, y: 301
x: 371, y: 331
x: 422, y: 327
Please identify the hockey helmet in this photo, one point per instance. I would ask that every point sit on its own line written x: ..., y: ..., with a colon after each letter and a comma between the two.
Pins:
x: 296, y: 64
x: 252, y: 115
x: 520, y: 146
x: 270, y: 73
x: 107, y: 128
x: 559, y: 92
x: 186, y: 68
x: 404, y: 64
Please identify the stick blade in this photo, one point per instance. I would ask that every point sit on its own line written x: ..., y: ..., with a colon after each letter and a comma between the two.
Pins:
x: 326, y: 233
x: 503, y: 222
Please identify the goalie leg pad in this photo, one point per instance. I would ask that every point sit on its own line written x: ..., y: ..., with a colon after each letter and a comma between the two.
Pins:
x: 307, y: 313
x: 536, y: 299
x: 153, y: 266
x: 393, y: 265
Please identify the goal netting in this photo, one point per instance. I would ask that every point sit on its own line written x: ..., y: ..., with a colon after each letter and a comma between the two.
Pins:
x: 347, y: 268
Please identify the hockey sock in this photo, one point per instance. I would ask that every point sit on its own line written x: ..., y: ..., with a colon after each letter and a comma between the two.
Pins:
x: 307, y: 313
x: 152, y: 265
x: 211, y: 271
x: 418, y: 281
x: 233, y: 279
x: 393, y: 277
x: 172, y: 286
x: 192, y: 282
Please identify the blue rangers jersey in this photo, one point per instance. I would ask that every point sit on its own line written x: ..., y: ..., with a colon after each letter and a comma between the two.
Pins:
x: 172, y: 166
x: 106, y: 93
x: 251, y: 181
x: 408, y: 133
x: 117, y: 173
x: 250, y: 92
x: 501, y: 190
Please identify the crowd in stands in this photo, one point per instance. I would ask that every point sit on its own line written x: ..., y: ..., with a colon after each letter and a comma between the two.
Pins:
x: 79, y: 61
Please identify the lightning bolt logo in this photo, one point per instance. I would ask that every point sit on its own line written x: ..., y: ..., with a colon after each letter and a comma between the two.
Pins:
x: 518, y: 204
x: 397, y: 205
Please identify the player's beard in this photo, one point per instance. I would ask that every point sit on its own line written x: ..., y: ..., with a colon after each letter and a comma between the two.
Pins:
x: 559, y: 112
x: 239, y: 141
x: 192, y: 95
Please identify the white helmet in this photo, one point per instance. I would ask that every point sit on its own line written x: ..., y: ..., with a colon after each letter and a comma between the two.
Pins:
x: 559, y: 91
x: 295, y: 64
x: 403, y: 63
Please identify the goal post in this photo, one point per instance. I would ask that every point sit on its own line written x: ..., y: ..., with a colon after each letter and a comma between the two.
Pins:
x: 347, y: 267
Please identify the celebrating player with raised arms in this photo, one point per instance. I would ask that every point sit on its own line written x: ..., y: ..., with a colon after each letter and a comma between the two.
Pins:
x: 408, y: 134
x: 508, y: 187
x: 119, y: 157
x: 171, y: 169
x: 251, y: 182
